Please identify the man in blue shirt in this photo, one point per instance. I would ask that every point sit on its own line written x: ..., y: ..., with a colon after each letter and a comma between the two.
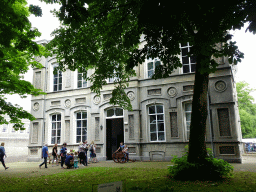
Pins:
x: 2, y: 154
x: 44, y: 155
x: 63, y: 153
x: 68, y: 161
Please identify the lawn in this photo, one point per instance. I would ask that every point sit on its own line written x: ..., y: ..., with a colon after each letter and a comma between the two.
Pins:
x: 139, y: 176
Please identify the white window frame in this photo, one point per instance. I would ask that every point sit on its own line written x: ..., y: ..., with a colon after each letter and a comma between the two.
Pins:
x: 157, y: 121
x: 189, y: 59
x: 82, y: 127
x: 186, y: 120
x: 83, y: 80
x: 59, y: 77
x: 56, y: 128
x: 113, y: 79
x: 149, y: 60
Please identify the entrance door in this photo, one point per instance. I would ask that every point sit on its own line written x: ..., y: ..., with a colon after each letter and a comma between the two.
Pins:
x: 115, y: 135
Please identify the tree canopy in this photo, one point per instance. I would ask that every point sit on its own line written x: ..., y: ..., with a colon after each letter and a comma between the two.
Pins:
x: 105, y: 35
x: 247, y: 109
x: 16, y: 55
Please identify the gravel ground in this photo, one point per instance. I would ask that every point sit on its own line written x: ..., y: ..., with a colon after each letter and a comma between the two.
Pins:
x: 30, y: 169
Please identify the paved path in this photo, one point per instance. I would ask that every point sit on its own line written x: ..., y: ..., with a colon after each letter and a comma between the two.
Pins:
x: 30, y: 169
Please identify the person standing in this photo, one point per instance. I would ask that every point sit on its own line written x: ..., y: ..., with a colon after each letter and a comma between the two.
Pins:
x: 75, y: 160
x: 2, y: 154
x: 63, y: 153
x: 81, y: 153
x: 85, y: 152
x: 45, y: 154
x: 55, y: 154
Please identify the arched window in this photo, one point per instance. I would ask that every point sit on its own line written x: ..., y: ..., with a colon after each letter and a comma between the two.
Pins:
x: 156, y: 122
x: 57, y: 80
x: 188, y: 111
x: 81, y: 126
x: 56, y: 129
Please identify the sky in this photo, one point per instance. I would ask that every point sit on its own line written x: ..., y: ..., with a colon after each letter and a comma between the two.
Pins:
x: 47, y: 23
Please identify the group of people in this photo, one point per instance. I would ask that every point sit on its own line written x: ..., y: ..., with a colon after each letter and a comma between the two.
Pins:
x: 123, y: 148
x: 70, y: 159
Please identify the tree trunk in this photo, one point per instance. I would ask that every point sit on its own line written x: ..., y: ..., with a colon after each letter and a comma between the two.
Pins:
x: 197, y: 148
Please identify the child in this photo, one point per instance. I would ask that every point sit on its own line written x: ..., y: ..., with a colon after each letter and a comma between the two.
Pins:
x: 76, y: 160
x: 125, y: 151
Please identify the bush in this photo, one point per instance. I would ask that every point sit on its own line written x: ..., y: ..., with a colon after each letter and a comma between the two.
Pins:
x: 212, y: 169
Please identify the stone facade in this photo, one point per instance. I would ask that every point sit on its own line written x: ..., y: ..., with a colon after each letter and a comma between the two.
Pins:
x: 156, y: 129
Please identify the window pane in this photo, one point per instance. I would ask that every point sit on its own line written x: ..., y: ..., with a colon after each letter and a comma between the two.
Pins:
x: 160, y: 126
x: 54, y: 118
x: 152, y: 127
x: 78, y: 131
x: 60, y: 80
x: 60, y: 87
x: 84, y: 123
x: 193, y: 67
x: 59, y: 125
x: 152, y: 119
x: 157, y: 63
x: 161, y: 136
x: 84, y: 130
x: 188, y: 107
x: 53, y: 125
x: 153, y: 136
x: 150, y: 66
x: 152, y: 109
x: 58, y: 132
x: 84, y: 115
x: 159, y: 108
x: 55, y: 88
x: 55, y: 81
x: 185, y: 60
x: 58, y: 117
x: 79, y: 84
x: 184, y: 51
x: 78, y: 123
x: 150, y: 73
x: 184, y: 44
x: 53, y: 133
x: 79, y: 76
x: 160, y: 117
x: 188, y: 125
x: 188, y: 116
x: 60, y: 73
x: 53, y: 140
x: 119, y: 112
x: 84, y: 138
x: 186, y: 69
x: 84, y: 83
x: 78, y: 115
x: 110, y: 112
x: 58, y: 140
x: 78, y: 139
x: 192, y: 59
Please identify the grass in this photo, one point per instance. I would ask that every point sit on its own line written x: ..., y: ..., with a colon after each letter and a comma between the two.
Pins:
x: 139, y: 176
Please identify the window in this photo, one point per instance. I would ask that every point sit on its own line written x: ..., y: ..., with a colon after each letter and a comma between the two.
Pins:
x: 151, y: 66
x: 113, y: 79
x: 189, y: 63
x: 81, y: 80
x: 188, y: 111
x: 57, y: 80
x: 4, y: 128
x: 81, y: 126
x: 114, y: 112
x: 156, y: 122
x: 56, y: 128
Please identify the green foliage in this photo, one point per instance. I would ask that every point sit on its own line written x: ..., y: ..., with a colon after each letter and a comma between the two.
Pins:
x: 211, y: 169
x: 17, y: 51
x: 247, y: 109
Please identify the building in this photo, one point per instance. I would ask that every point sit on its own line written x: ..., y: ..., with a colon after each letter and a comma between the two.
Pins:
x: 70, y: 112
x: 16, y: 142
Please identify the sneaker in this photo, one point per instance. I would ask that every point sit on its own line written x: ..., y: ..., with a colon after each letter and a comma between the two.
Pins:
x: 6, y: 168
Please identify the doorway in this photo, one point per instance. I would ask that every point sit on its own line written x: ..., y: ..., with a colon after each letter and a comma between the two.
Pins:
x: 115, y: 135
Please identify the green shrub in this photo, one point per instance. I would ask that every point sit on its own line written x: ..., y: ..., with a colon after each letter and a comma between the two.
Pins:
x: 212, y: 169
